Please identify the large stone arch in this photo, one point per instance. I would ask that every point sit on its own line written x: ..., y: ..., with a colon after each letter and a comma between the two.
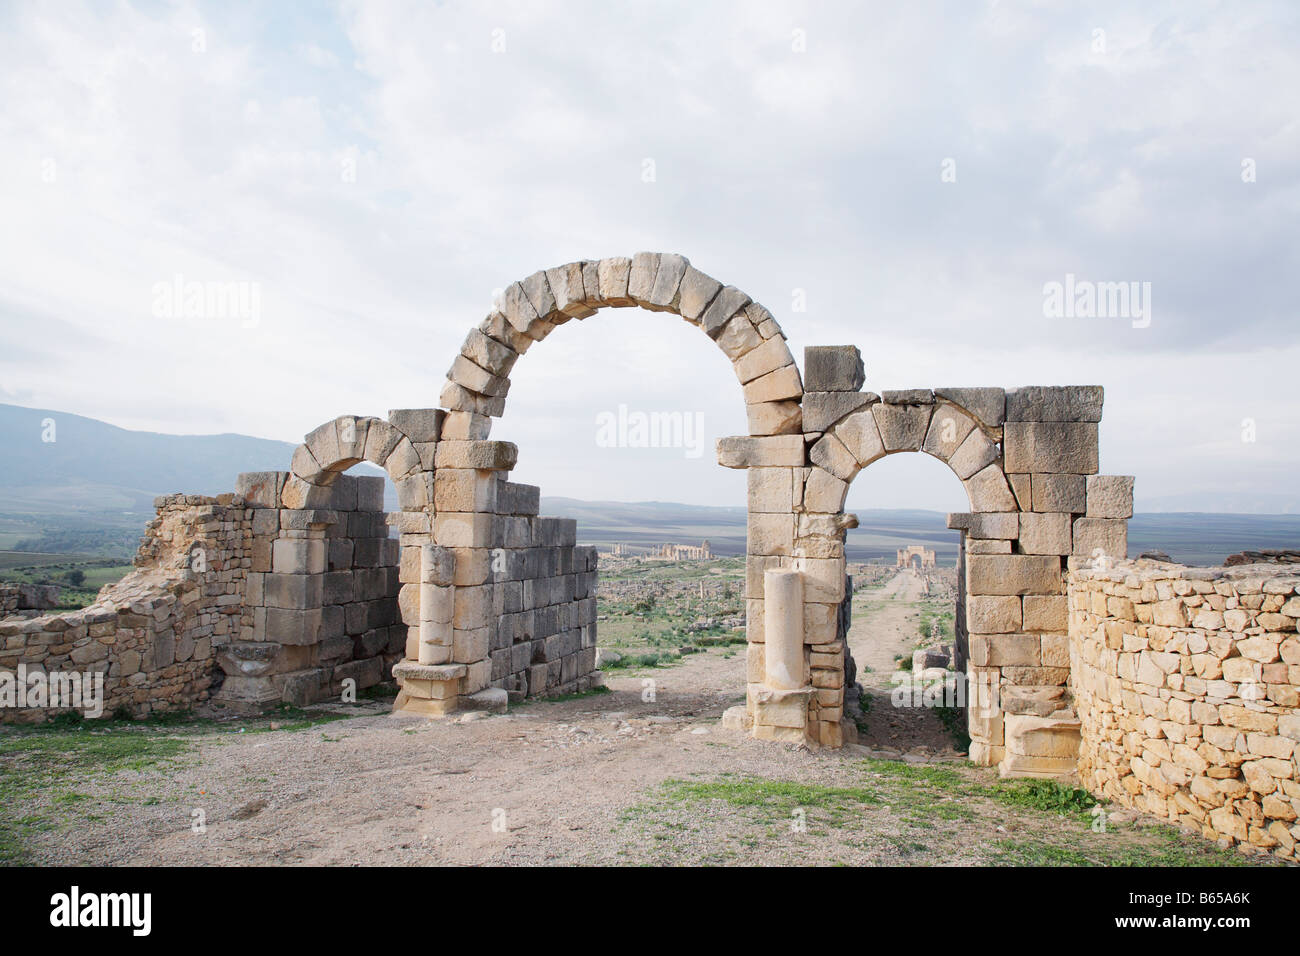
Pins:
x: 530, y: 309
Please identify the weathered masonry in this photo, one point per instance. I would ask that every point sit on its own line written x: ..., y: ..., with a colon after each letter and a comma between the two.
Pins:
x: 302, y: 591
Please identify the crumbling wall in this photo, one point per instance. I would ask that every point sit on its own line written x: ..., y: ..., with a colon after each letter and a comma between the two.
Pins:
x: 1187, y: 685
x: 154, y: 634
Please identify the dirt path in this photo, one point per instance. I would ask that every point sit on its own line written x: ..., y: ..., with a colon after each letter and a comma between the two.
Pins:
x: 884, y: 625
x: 604, y: 778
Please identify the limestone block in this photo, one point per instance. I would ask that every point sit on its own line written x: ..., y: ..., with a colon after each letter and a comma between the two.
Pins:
x: 771, y: 489
x: 907, y: 396
x: 821, y: 410
x: 498, y: 328
x: 988, y: 546
x: 724, y: 305
x: 1110, y: 496
x: 738, y: 337
x: 1044, y: 403
x: 323, y: 443
x: 567, y: 287
x: 1045, y: 533
x: 975, y: 454
x: 481, y: 455
x: 988, y: 490
x: 986, y: 404
x: 1109, y: 535
x: 298, y: 555
x: 770, y: 534
x: 902, y: 427
x: 470, y: 376
x: 829, y: 453
x: 834, y: 368
x: 1055, y: 447
x: 1012, y: 574
x: 775, y: 386
x: 293, y: 626
x: 613, y: 274
x: 465, y: 426
x: 304, y: 465
x: 1001, y: 525
x: 464, y: 489
x: 861, y: 436
x: 487, y: 353
x: 986, y: 614
x: 641, y: 280
x: 774, y: 451
x: 1045, y: 612
x: 768, y: 357
x: 459, y: 398
x: 1005, y: 650
x: 695, y: 293
x: 454, y: 530
x: 520, y: 312
x: 948, y: 429
x: 664, y: 294
x: 823, y: 492
x: 537, y: 288
x: 823, y: 579
x: 775, y: 418
x: 1059, y: 493
x: 1021, y: 487
x: 591, y: 284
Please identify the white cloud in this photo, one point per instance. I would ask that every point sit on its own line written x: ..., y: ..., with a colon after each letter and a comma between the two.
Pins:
x: 378, y: 172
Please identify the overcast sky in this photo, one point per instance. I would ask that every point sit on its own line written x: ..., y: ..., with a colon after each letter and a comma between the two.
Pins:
x: 906, y: 178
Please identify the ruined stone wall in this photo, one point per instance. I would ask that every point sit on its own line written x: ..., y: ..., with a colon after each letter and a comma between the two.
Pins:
x: 153, y: 634
x: 1187, y: 685
x: 321, y: 597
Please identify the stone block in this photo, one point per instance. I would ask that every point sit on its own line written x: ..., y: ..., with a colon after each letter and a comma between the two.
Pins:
x: 767, y: 358
x: 721, y: 310
x: 1053, y: 403
x: 1059, y: 493
x: 613, y: 275
x: 696, y: 291
x: 480, y: 455
x: 987, y: 490
x: 1004, y: 574
x: 830, y: 454
x: 986, y: 404
x: 770, y: 534
x: 775, y: 418
x: 834, y: 368
x: 771, y: 451
x: 737, y: 337
x: 1046, y: 612
x: 781, y: 385
x: 902, y: 427
x: 1110, y: 496
x: 771, y: 489
x: 975, y: 453
x: 948, y: 429
x: 821, y: 410
x: 1054, y: 447
x: 989, y: 614
x: 1042, y: 533
x: 1107, y: 535
x: 861, y: 436
x: 823, y: 492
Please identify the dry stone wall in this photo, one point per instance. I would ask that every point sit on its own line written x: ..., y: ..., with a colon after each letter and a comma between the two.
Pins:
x: 153, y: 635
x: 1187, y: 684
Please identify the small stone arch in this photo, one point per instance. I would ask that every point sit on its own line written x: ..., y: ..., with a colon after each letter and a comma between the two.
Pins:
x: 911, y: 421
x: 403, y: 449
x: 530, y: 309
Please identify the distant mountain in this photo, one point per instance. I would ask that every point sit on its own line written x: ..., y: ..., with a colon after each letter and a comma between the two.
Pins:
x: 91, y: 466
x: 91, y: 489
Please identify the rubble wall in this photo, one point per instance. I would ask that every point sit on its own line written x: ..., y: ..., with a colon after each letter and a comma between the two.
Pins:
x: 154, y: 634
x: 1186, y: 683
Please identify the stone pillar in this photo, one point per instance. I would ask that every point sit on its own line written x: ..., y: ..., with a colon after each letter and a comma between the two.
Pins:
x: 437, y: 602
x: 783, y: 629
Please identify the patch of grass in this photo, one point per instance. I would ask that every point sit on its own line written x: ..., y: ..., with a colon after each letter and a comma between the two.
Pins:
x: 1049, y: 796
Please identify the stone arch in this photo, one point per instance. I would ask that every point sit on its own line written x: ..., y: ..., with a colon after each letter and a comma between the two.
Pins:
x: 530, y: 309
x: 916, y: 420
x: 403, y: 447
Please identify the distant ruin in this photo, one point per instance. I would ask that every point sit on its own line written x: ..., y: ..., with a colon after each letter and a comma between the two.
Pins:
x: 1168, y: 688
x: 924, y: 557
